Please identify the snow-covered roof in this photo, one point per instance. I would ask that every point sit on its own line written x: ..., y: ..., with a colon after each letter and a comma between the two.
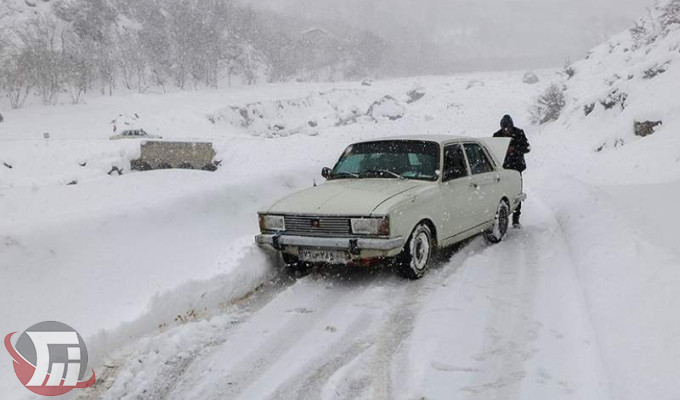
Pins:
x: 441, y: 139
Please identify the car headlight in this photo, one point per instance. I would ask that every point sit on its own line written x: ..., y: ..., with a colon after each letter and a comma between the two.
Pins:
x: 371, y: 226
x: 272, y: 222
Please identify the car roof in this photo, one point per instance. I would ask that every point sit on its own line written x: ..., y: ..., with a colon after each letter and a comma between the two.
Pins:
x: 441, y: 139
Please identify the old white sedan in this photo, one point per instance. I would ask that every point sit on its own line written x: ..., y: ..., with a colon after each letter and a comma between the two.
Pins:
x: 397, y: 199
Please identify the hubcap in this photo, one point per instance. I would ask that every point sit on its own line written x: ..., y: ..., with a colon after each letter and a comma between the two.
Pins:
x: 420, y: 250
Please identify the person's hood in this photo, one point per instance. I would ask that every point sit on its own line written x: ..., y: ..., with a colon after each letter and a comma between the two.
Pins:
x: 356, y: 197
x: 507, y: 122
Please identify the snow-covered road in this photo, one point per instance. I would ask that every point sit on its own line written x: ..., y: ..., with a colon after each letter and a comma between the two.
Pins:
x: 158, y: 272
x: 503, y: 322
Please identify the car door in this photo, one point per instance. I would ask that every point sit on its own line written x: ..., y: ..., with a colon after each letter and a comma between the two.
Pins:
x: 458, y: 195
x: 484, y: 181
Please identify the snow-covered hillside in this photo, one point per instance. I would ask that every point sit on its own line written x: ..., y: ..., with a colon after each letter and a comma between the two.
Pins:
x: 634, y: 77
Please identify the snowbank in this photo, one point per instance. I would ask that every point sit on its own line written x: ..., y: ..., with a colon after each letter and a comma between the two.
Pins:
x: 121, y: 257
x: 629, y: 278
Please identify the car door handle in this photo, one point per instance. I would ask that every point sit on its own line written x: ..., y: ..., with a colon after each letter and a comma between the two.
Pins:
x: 474, y: 185
x: 498, y: 178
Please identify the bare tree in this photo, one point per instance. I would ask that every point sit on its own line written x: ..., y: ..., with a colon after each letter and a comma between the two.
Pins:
x: 43, y: 39
x: 132, y: 61
x: 15, y: 78
x: 78, y: 66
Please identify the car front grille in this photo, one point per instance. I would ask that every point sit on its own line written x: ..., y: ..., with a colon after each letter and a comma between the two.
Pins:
x: 317, y: 225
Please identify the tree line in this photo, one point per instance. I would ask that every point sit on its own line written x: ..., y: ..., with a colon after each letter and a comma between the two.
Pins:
x: 103, y: 46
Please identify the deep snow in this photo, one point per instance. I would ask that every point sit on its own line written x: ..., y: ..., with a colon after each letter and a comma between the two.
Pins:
x: 158, y: 271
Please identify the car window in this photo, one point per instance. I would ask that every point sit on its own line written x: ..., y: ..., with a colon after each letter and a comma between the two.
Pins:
x: 479, y: 161
x: 454, y: 163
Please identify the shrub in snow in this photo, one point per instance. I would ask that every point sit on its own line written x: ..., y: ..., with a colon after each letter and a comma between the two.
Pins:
x: 474, y: 83
x: 615, y: 98
x: 349, y: 117
x: 659, y: 22
x: 670, y: 14
x: 655, y: 70
x: 530, y: 78
x: 549, y: 105
x: 387, y: 107
x: 569, y: 70
x: 115, y: 169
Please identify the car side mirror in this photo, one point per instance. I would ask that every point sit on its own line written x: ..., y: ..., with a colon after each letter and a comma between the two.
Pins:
x: 326, y: 172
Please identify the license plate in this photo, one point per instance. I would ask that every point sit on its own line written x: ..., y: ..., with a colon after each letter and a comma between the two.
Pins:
x: 323, y: 256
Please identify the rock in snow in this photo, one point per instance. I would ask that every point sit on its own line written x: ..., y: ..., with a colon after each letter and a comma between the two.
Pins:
x: 646, y: 128
x: 530, y: 78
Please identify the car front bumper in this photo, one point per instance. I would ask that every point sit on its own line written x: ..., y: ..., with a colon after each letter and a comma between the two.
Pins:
x: 358, y: 248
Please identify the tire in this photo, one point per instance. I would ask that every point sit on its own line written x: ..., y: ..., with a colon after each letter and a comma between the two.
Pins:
x: 209, y: 167
x: 138, y: 165
x: 293, y: 264
x: 500, y: 226
x: 290, y: 260
x: 416, y: 257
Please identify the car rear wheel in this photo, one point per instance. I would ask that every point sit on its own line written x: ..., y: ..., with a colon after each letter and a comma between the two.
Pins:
x: 416, y: 257
x: 500, y: 226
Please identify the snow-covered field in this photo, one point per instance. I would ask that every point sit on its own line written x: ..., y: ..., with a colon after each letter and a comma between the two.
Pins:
x: 159, y: 274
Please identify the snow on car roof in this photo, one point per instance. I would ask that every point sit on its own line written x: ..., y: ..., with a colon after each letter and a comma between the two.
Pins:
x: 429, y: 138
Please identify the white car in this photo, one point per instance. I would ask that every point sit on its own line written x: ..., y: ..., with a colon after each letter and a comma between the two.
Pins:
x: 134, y: 134
x: 397, y: 199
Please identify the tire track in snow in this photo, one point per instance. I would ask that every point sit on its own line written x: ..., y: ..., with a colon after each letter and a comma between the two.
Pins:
x: 374, y: 335
x: 249, y: 370
x: 353, y: 343
x: 510, y: 328
x: 378, y: 370
x: 272, y: 338
x: 516, y: 332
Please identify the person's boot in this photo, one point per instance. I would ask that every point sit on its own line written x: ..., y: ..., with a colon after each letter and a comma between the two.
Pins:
x: 515, y: 223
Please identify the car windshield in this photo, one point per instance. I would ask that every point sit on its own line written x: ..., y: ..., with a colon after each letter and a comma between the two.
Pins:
x: 397, y: 159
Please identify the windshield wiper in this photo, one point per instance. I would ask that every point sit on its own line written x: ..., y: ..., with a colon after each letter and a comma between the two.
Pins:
x: 345, y: 174
x: 383, y: 171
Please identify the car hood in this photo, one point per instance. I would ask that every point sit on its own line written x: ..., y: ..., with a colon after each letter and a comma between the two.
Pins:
x: 344, y: 197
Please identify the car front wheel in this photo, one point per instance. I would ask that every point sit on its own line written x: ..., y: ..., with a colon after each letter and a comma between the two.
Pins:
x: 500, y: 225
x: 415, y: 259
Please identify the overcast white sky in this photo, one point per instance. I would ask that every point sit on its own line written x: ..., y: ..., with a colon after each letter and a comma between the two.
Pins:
x: 480, y: 34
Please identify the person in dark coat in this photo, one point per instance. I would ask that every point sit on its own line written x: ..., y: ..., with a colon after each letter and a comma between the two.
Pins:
x: 519, y: 146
